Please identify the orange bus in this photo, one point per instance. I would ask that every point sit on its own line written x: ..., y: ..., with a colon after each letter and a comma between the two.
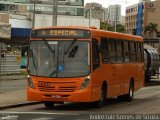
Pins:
x: 80, y: 64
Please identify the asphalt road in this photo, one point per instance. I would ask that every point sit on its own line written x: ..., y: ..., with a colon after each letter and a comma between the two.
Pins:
x: 146, y: 101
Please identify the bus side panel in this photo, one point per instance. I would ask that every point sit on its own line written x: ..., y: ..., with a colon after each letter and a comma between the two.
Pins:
x: 112, y: 76
x: 135, y: 72
x: 118, y: 77
x: 129, y: 73
x: 139, y: 83
x: 96, y: 83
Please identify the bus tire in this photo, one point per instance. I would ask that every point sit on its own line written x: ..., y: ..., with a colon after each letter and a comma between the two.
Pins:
x: 102, y: 101
x: 49, y: 104
x: 128, y: 97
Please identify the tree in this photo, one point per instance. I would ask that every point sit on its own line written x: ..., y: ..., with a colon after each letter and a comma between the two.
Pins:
x: 103, y: 26
x: 151, y: 28
x: 110, y: 28
x: 106, y: 26
x: 120, y: 28
x: 134, y: 31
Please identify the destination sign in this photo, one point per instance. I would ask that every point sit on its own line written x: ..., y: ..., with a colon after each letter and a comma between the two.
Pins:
x: 60, y: 33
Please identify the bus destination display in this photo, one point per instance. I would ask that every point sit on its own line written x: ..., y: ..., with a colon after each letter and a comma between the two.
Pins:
x: 60, y: 33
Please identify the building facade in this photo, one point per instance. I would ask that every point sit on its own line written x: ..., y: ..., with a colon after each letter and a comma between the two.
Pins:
x: 95, y: 10
x: 150, y: 14
x: 65, y: 7
x: 115, y: 13
x: 106, y: 18
x: 131, y: 18
x: 122, y: 20
x: 144, y: 1
x: 18, y: 13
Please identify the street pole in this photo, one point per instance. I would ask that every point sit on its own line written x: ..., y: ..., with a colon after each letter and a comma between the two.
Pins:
x: 0, y: 61
x: 116, y: 19
x: 33, y: 22
x: 90, y: 17
x: 55, y: 7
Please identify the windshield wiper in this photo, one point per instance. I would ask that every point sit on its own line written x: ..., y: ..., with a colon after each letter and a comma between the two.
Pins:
x: 53, y: 52
x: 53, y: 72
x: 49, y: 47
x: 69, y: 48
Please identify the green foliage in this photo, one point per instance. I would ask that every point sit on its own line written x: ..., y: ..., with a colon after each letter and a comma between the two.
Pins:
x: 120, y: 28
x: 151, y: 28
x: 106, y: 26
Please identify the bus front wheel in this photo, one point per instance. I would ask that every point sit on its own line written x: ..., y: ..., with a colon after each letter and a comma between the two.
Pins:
x: 49, y: 104
x: 102, y: 100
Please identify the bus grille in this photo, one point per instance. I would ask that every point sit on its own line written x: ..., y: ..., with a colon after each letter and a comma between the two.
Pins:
x: 66, y: 89
x: 47, y: 89
x: 57, y: 88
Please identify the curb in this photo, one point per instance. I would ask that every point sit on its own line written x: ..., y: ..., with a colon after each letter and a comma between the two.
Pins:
x: 152, y: 83
x: 19, y: 105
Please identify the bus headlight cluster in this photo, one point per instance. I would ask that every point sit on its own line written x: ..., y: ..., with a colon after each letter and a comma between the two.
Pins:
x: 85, y: 83
x: 30, y: 82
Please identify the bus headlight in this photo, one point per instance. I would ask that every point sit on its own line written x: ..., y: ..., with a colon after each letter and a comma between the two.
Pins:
x: 85, y: 83
x: 30, y: 83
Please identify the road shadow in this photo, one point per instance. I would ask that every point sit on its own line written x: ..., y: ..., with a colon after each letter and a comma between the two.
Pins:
x: 84, y: 106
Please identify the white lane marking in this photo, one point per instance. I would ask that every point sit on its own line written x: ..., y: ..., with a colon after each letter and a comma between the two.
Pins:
x: 37, y: 113
x: 45, y: 118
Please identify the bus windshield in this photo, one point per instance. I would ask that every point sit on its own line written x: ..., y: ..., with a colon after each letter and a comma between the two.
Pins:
x: 68, y: 58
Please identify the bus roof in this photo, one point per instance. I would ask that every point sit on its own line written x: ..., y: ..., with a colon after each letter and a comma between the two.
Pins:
x: 69, y: 27
x: 110, y: 34
x: 97, y: 32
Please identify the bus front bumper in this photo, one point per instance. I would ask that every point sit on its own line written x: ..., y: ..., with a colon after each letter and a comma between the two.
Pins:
x: 83, y: 95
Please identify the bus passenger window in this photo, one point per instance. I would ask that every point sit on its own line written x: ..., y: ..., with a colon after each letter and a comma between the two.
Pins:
x: 95, y: 54
x: 132, y: 52
x: 105, y: 50
x: 119, y: 51
x: 142, y: 53
x: 138, y: 52
x: 126, y: 51
x: 112, y: 51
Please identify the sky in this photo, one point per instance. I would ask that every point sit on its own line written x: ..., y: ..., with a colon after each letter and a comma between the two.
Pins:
x: 106, y: 3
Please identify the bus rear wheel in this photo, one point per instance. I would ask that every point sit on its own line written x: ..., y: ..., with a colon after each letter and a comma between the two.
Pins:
x: 49, y: 104
x: 128, y: 97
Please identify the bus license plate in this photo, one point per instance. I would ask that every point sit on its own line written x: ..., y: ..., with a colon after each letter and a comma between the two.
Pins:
x: 56, y: 96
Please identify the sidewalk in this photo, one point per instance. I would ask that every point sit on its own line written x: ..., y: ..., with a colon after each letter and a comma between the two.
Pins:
x: 13, y: 92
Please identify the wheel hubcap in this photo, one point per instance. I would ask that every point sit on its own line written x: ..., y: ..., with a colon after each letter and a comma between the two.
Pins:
x: 131, y: 92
